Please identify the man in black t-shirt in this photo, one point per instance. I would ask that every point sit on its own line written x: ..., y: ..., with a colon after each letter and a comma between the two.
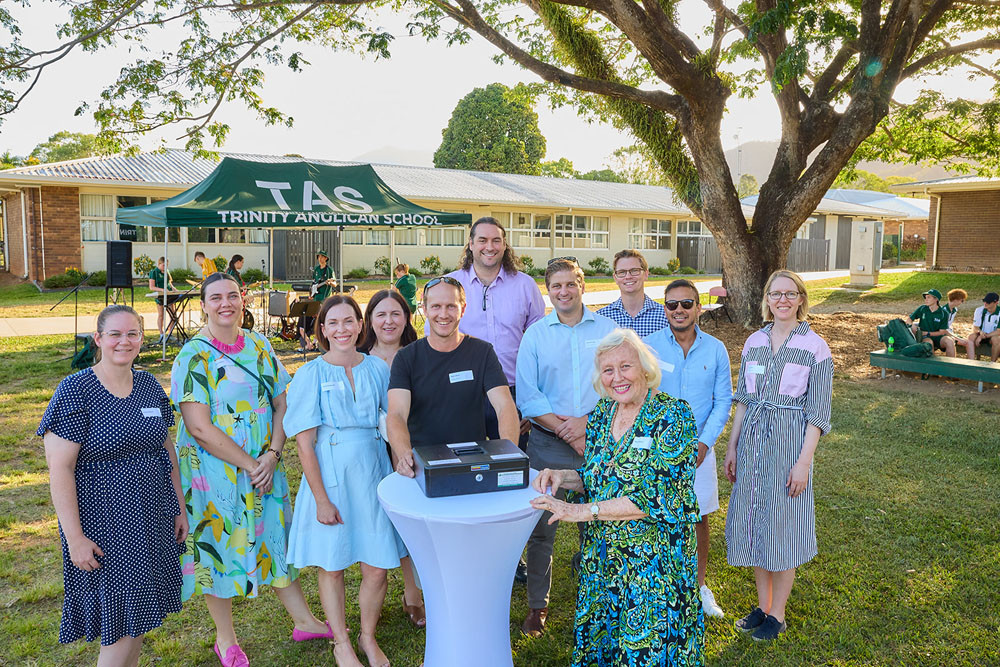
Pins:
x: 437, y: 384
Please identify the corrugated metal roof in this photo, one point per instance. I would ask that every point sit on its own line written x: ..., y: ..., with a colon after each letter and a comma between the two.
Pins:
x: 834, y: 207
x: 956, y: 183
x: 908, y: 208
x: 179, y: 168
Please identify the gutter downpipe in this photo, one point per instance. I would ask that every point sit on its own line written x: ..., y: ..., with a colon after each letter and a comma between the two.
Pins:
x: 24, y: 235
x: 937, y: 227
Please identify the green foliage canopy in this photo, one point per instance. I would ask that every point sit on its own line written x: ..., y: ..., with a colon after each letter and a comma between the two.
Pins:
x: 66, y: 146
x: 492, y: 129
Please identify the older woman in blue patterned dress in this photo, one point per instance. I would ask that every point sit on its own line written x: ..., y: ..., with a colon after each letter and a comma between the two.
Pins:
x: 117, y: 494
x: 783, y: 394
x: 637, y: 601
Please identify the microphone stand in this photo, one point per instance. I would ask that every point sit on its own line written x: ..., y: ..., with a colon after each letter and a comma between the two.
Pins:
x: 75, y: 292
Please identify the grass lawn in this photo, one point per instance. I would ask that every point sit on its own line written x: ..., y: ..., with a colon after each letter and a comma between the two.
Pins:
x: 908, y: 571
x: 905, y: 287
x: 24, y: 299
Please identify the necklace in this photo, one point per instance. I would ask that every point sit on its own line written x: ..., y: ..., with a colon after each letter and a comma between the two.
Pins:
x: 612, y: 461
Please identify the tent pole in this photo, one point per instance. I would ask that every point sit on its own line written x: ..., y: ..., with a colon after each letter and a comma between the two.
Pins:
x: 166, y: 272
x: 340, y: 258
x: 270, y: 281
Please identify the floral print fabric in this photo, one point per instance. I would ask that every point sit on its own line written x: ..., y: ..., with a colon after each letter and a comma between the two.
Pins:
x: 238, y: 538
x: 637, y: 602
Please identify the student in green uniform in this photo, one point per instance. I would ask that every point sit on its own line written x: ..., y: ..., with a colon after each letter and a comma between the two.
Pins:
x: 406, y: 285
x: 956, y: 298
x: 156, y: 285
x: 932, y: 323
x: 322, y: 273
x: 235, y: 266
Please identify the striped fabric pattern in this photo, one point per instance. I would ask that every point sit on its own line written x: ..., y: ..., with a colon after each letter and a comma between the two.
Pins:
x: 783, y: 392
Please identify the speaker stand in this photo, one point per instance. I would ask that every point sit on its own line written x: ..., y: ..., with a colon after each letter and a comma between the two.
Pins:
x: 116, y: 295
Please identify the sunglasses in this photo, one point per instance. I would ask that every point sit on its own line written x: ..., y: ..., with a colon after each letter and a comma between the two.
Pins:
x: 448, y: 280
x: 563, y: 259
x: 686, y: 304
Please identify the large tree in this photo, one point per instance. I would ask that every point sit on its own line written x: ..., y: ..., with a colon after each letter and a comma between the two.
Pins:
x: 492, y: 129
x: 65, y: 145
x: 832, y: 68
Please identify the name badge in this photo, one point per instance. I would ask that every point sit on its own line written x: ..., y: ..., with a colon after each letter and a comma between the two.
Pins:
x: 756, y: 369
x: 460, y: 376
x: 642, y: 443
x: 667, y: 367
x: 151, y: 412
x: 330, y: 386
x: 591, y: 344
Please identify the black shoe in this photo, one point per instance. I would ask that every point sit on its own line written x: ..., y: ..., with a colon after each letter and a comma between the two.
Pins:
x: 751, y: 621
x: 576, y: 562
x: 769, y: 630
x: 521, y: 573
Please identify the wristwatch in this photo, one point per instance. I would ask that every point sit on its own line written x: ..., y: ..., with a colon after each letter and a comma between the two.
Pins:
x: 594, y: 511
x: 277, y: 454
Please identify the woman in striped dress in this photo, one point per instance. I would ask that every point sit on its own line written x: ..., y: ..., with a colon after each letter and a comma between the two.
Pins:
x: 783, y: 394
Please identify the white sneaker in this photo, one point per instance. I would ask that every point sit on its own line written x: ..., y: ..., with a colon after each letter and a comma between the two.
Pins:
x: 708, y: 603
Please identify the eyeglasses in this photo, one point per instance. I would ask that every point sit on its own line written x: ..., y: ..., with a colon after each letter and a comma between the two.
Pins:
x: 564, y: 259
x: 634, y: 273
x: 116, y: 336
x: 686, y: 304
x: 448, y: 280
x: 790, y: 295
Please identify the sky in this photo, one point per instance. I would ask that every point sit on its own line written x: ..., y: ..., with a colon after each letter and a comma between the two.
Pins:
x: 347, y: 107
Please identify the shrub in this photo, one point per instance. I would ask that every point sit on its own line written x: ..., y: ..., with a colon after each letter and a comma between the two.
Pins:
x: 600, y: 265
x: 914, y: 254
x: 674, y: 265
x: 183, y: 275
x: 687, y: 271
x: 252, y: 276
x: 383, y: 267
x: 143, y: 264
x: 72, y: 277
x: 889, y: 250
x: 527, y: 264
x: 415, y: 272
x: 536, y: 272
x: 221, y: 263
x: 98, y: 279
x: 431, y: 264
x: 589, y: 272
x: 358, y: 273
x: 659, y: 271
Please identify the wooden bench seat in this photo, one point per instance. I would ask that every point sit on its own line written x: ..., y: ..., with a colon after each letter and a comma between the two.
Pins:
x: 941, y: 366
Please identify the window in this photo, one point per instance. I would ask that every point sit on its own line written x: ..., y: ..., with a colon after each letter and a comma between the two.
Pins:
x: 525, y: 230
x: 446, y: 236
x: 805, y: 231
x: 377, y: 237
x: 97, y: 218
x: 649, y: 234
x: 407, y: 235
x: 366, y: 236
x: 692, y: 228
x: 354, y: 237
x: 242, y: 235
x: 201, y: 234
x: 581, y: 231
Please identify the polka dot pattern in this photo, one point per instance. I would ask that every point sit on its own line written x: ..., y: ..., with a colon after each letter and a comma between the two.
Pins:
x: 127, y: 507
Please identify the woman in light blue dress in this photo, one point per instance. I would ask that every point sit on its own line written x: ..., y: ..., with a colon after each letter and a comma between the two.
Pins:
x: 333, y: 406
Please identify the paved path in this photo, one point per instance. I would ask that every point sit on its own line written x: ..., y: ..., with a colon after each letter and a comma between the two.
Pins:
x: 38, y: 326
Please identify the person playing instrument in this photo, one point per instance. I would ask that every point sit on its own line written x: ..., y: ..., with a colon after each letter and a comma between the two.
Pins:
x: 334, y: 403
x: 156, y: 277
x: 234, y: 268
x: 207, y: 265
x: 117, y: 494
x: 322, y: 287
x: 229, y: 389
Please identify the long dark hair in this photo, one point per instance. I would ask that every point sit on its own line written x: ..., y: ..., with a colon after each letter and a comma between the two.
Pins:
x: 510, y: 262
x: 329, y: 303
x: 232, y: 262
x: 369, y: 339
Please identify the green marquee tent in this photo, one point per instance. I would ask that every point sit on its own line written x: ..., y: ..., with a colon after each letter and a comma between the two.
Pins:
x: 287, y: 195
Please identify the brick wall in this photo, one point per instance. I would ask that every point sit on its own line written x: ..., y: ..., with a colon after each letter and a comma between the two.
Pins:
x: 970, y: 231
x: 910, y: 227
x: 60, y: 212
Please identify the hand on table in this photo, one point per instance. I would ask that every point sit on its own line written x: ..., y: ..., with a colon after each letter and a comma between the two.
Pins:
x: 548, y: 481
x: 561, y: 510
x: 404, y: 465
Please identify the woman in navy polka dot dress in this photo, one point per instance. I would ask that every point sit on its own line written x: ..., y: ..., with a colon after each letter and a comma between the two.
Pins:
x: 117, y: 494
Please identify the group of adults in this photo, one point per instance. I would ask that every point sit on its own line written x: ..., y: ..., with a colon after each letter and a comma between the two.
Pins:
x: 622, y: 428
x: 933, y: 323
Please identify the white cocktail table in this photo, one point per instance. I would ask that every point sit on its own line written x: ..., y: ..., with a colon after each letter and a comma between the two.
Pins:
x: 466, y: 549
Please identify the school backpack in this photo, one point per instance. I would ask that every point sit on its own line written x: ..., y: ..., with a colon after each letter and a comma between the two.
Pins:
x: 86, y: 356
x: 903, y: 341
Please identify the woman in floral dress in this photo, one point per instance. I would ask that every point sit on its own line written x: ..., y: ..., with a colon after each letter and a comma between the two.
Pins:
x: 637, y: 601
x: 230, y: 391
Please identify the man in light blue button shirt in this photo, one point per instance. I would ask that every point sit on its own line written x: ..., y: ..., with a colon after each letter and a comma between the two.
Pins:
x: 555, y: 365
x: 696, y: 369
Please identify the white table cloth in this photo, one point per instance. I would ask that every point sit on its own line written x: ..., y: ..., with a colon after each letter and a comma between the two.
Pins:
x: 466, y: 549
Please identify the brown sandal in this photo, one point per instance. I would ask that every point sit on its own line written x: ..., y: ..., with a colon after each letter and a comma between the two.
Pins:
x: 416, y: 613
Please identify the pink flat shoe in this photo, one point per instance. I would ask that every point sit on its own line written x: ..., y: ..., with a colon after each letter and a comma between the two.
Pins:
x: 303, y: 636
x: 235, y: 657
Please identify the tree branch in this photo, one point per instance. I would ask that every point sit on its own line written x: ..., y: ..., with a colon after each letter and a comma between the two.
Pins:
x: 940, y: 54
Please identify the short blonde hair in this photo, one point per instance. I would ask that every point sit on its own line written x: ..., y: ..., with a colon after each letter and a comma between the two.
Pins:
x: 803, y: 311
x: 556, y: 265
x: 617, y: 339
